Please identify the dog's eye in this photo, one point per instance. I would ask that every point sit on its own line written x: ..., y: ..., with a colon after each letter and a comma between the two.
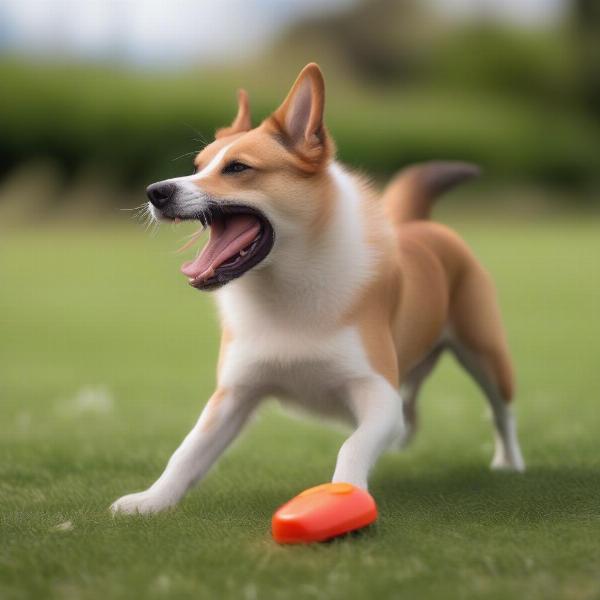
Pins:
x: 235, y: 167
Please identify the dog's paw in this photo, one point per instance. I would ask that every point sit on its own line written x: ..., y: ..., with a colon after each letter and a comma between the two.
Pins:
x: 142, y: 503
x: 501, y: 462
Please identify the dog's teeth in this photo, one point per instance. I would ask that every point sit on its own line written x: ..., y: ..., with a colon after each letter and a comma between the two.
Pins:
x: 243, y: 252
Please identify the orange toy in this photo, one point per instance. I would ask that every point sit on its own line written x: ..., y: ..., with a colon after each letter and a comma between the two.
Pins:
x: 323, y: 512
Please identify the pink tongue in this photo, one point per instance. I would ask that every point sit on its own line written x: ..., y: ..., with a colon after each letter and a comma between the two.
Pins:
x: 227, y: 238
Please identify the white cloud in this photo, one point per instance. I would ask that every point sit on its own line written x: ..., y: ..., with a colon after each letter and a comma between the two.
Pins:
x: 153, y: 31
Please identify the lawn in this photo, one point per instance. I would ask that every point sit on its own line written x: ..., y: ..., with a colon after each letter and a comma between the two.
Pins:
x: 107, y: 357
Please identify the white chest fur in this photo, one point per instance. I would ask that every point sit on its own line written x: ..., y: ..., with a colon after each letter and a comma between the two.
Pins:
x: 310, y: 369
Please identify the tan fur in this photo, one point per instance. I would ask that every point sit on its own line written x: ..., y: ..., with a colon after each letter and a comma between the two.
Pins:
x: 313, y: 148
x: 242, y: 121
x: 226, y: 338
x: 276, y: 172
x: 432, y: 281
x: 353, y: 306
x: 411, y: 193
x: 427, y: 280
x: 212, y: 407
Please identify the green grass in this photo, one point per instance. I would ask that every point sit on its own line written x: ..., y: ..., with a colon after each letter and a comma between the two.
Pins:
x: 106, y: 306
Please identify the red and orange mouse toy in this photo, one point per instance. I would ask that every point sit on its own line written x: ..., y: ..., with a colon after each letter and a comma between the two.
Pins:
x: 323, y: 512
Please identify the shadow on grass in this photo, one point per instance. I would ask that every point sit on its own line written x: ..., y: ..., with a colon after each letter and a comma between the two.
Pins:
x: 470, y: 494
x: 540, y: 494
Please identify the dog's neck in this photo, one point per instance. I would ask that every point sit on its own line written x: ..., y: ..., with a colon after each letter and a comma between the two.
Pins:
x: 309, y: 284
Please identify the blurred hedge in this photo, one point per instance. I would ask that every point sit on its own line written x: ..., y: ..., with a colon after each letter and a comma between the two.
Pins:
x: 135, y: 126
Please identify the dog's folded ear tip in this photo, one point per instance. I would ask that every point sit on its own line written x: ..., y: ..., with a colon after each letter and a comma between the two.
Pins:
x: 242, y: 121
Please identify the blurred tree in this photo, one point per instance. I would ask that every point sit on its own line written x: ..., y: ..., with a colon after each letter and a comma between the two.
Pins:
x: 510, y: 98
x: 532, y: 65
x: 379, y: 40
x: 405, y: 41
x: 587, y: 40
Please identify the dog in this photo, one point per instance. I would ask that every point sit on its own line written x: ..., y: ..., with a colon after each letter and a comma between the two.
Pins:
x: 331, y: 296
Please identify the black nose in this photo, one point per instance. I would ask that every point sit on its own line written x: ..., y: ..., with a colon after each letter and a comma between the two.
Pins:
x: 160, y: 193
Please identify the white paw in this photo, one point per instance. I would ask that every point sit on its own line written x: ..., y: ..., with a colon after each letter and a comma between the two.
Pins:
x: 143, y: 503
x: 503, y: 463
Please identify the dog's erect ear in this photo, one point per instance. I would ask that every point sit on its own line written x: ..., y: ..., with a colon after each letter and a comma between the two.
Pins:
x: 300, y: 118
x: 242, y: 121
x: 301, y: 114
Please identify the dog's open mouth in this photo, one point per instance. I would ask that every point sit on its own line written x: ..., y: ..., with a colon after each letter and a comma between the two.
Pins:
x: 240, y: 238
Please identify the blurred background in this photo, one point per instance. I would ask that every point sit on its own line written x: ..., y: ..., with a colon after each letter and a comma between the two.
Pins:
x: 101, y: 97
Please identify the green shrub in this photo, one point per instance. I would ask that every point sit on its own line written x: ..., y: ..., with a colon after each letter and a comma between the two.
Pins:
x: 135, y: 126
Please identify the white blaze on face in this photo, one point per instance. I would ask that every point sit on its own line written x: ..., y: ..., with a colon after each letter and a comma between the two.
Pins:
x: 208, y: 169
x: 212, y: 165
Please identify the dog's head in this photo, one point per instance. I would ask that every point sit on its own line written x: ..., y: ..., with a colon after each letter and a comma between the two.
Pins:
x: 257, y: 189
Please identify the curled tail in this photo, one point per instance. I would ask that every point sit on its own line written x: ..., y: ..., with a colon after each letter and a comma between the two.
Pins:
x: 411, y: 194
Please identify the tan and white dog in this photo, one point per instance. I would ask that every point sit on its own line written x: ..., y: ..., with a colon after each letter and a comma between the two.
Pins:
x: 330, y: 296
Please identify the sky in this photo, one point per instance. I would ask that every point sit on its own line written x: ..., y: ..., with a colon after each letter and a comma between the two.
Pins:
x: 172, y: 33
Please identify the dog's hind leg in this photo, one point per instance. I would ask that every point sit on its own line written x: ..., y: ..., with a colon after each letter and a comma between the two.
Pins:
x: 507, y: 452
x: 478, y: 342
x: 409, y: 392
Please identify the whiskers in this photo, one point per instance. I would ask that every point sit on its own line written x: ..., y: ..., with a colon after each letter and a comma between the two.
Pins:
x: 143, y: 215
x: 191, y: 239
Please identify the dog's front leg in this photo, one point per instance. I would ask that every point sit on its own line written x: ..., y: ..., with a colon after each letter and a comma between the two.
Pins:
x: 221, y: 420
x: 378, y: 411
